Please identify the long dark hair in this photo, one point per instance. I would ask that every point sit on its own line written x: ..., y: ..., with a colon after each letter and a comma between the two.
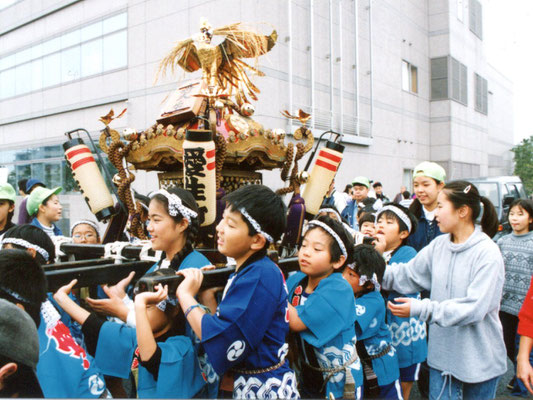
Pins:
x: 464, y: 193
x: 192, y: 230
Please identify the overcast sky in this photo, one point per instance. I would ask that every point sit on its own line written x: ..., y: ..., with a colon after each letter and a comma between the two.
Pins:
x: 508, y: 39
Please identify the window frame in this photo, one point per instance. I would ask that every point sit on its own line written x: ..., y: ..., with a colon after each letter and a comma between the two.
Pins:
x: 412, y: 84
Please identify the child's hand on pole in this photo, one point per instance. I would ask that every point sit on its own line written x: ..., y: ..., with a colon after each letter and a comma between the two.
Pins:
x: 64, y: 290
x: 192, y: 282
x: 145, y: 298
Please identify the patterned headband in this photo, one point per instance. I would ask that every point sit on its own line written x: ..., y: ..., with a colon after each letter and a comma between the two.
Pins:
x: 15, y: 295
x: 86, y: 222
x: 364, y: 279
x: 332, y: 233
x: 256, y: 225
x: 330, y: 210
x: 27, y: 245
x: 175, y: 205
x: 399, y: 213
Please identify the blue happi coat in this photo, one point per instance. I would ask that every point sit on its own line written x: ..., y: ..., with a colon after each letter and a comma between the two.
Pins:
x: 408, y: 334
x: 248, y: 332
x: 329, y: 315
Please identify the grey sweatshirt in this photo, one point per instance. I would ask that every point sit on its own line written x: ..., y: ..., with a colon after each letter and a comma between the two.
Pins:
x: 465, y: 281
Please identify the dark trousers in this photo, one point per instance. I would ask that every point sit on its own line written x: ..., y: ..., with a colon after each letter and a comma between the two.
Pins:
x: 510, y: 325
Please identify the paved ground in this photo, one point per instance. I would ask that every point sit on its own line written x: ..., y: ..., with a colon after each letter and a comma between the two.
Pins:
x: 503, y: 392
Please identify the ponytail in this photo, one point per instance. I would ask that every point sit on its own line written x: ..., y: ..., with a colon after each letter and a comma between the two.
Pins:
x: 416, y: 208
x: 463, y: 193
x: 489, y: 220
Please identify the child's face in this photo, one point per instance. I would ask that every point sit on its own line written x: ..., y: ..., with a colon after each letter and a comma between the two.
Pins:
x: 368, y: 229
x: 84, y: 233
x: 165, y: 234
x: 359, y: 193
x: 233, y: 239
x: 51, y: 211
x: 445, y: 214
x: 426, y: 189
x: 314, y: 255
x: 5, y: 208
x: 353, y: 279
x: 390, y: 229
x: 157, y: 319
x: 519, y: 220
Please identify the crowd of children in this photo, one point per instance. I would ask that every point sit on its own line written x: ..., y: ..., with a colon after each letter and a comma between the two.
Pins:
x: 383, y: 294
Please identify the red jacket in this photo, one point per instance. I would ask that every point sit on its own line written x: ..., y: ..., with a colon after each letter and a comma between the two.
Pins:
x: 525, y: 324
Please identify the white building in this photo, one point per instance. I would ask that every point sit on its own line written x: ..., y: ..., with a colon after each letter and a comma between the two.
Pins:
x: 404, y: 80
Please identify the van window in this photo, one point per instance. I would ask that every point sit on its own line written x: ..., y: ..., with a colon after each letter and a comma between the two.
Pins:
x: 490, y: 190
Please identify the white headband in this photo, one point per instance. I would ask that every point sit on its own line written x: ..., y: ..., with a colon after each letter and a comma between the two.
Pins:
x: 364, y: 279
x: 86, y: 222
x: 175, y: 205
x: 27, y: 245
x: 256, y: 225
x: 331, y: 232
x: 330, y: 210
x: 399, y: 213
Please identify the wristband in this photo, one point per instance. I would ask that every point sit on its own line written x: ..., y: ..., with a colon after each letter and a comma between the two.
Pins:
x: 191, y: 308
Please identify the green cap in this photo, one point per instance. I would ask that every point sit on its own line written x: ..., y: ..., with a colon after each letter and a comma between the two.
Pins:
x: 37, y: 197
x: 362, y: 181
x: 7, y: 192
x: 430, y: 169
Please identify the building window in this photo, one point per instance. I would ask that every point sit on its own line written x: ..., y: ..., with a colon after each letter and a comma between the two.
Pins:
x: 449, y: 80
x: 476, y: 18
x: 99, y: 47
x: 409, y: 77
x: 481, y: 94
x: 458, y: 81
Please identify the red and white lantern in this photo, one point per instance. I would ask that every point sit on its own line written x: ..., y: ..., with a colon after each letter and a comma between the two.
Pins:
x: 89, y: 179
x: 323, y: 172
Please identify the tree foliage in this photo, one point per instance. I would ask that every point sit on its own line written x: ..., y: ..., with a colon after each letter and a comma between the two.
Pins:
x: 523, y: 158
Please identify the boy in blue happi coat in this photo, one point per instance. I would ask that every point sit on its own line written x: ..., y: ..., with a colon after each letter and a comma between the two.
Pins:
x: 161, y: 358
x: 245, y: 338
x: 374, y: 345
x: 394, y: 225
x: 322, y: 313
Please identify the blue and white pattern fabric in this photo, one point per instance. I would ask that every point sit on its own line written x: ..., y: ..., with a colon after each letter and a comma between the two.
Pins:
x: 179, y: 374
x: 65, y: 370
x: 408, y: 334
x: 248, y: 332
x: 372, y: 330
x: 329, y: 315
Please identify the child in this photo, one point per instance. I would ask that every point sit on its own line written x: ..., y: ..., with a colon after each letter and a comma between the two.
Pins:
x: 428, y: 181
x: 19, y: 352
x: 374, y: 346
x: 334, y: 213
x: 161, y: 358
x: 322, y: 313
x: 85, y: 231
x: 394, y: 224
x: 44, y: 206
x: 464, y: 272
x: 7, y: 207
x: 64, y: 368
x: 367, y: 224
x: 517, y: 252
x: 31, y: 184
x: 359, y: 191
x: 245, y: 339
x: 174, y: 224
